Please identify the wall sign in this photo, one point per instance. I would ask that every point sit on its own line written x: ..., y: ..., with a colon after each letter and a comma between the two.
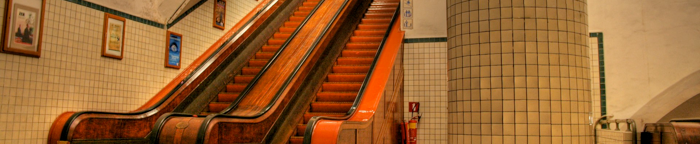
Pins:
x: 113, y: 36
x: 413, y: 106
x: 407, y: 14
x: 24, y: 21
x: 219, y: 14
x: 173, y: 50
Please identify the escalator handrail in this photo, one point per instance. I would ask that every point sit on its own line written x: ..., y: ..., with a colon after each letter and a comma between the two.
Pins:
x: 181, y: 85
x: 249, y: 87
x: 203, y: 128
x: 353, y: 109
x: 161, y: 121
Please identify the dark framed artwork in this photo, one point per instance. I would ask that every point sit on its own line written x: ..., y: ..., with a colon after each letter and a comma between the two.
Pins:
x: 113, y: 36
x: 173, y: 50
x: 219, y: 14
x: 23, y: 23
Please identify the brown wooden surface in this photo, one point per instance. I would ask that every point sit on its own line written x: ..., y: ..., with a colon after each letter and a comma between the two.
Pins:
x: 225, y: 130
x: 109, y: 126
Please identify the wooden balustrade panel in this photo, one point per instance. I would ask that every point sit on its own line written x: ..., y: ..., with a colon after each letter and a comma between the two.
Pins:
x: 237, y: 130
x: 119, y: 126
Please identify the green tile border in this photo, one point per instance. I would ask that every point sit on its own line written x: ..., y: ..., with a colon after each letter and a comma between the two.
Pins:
x: 135, y: 18
x: 601, y: 64
x: 116, y: 12
x: 422, y: 40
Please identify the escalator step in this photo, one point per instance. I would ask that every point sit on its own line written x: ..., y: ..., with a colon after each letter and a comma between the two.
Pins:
x: 276, y: 41
x: 257, y: 62
x: 297, y: 18
x: 270, y: 48
x: 359, y: 53
x: 251, y: 70
x: 287, y: 29
x: 292, y: 24
x: 227, y: 97
x: 379, y: 15
x: 346, y: 77
x: 369, y: 32
x: 372, y: 26
x: 362, y: 45
x: 387, y: 9
x: 302, y: 13
x: 306, y: 8
x: 376, y: 21
x: 341, y: 86
x: 218, y: 106
x: 296, y: 140
x: 350, y: 68
x: 301, y: 128
x: 355, y: 60
x: 281, y: 35
x: 336, y: 96
x: 307, y: 3
x: 236, y: 87
x: 264, y: 55
x: 392, y: 4
x: 366, y: 39
x: 333, y: 107
x: 243, y: 78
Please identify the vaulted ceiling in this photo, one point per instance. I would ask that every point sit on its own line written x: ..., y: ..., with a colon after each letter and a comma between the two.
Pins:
x: 161, y: 11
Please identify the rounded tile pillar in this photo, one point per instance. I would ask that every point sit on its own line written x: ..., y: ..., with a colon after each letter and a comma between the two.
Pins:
x: 518, y: 72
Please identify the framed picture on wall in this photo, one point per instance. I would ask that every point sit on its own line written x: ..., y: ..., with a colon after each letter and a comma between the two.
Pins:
x: 173, y: 50
x: 113, y: 36
x: 23, y: 23
x: 219, y: 14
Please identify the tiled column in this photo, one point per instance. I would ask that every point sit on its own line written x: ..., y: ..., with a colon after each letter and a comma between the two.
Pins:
x: 518, y: 72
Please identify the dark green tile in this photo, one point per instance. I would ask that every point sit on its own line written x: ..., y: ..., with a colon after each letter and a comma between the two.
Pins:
x: 115, y: 12
x: 423, y: 40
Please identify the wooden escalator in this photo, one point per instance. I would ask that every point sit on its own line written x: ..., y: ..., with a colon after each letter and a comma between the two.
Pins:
x: 341, y: 85
x: 261, y: 58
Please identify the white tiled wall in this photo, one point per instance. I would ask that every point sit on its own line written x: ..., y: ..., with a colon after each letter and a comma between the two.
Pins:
x: 595, y: 76
x: 425, y: 81
x: 71, y: 74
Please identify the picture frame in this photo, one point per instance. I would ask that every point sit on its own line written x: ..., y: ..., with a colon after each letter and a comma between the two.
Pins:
x: 113, y: 36
x: 219, y: 14
x: 24, y: 21
x: 173, y: 50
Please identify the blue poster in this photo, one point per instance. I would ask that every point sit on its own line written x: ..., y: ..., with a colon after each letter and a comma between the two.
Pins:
x: 174, y: 50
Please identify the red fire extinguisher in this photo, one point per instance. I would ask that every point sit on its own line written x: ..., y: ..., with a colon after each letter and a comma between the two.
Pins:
x: 412, y: 130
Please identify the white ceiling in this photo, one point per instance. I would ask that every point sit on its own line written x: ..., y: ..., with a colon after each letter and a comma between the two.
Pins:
x: 155, y: 10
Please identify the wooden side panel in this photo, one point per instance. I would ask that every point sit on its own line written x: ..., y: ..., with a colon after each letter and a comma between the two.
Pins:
x: 348, y: 136
x: 112, y: 126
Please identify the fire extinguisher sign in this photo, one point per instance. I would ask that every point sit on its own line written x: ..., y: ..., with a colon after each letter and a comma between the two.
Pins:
x: 413, y: 106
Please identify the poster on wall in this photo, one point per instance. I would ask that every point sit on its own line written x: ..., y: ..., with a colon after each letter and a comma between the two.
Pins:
x: 219, y: 14
x: 407, y: 14
x: 113, y: 37
x: 173, y: 50
x: 23, y: 27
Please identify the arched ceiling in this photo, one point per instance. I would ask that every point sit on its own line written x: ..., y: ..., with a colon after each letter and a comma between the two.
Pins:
x: 159, y: 11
